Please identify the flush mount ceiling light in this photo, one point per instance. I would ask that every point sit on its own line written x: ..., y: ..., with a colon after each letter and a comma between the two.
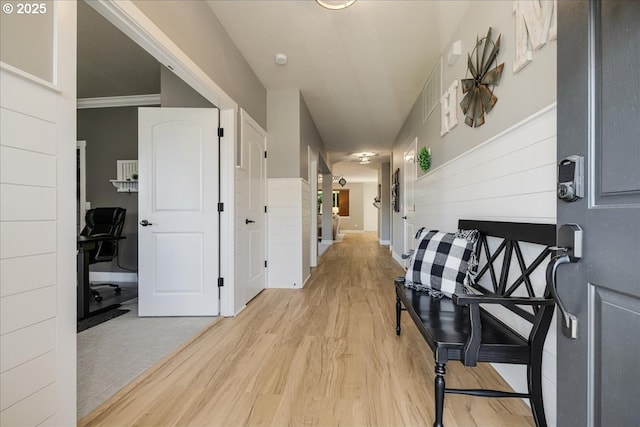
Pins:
x: 335, y: 4
x: 281, y: 59
x: 364, y: 157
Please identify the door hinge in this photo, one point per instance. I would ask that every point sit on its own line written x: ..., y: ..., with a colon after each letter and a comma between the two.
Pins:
x: 220, y: 132
x: 220, y: 207
x: 265, y: 264
x: 265, y: 209
x: 265, y: 154
x: 220, y: 282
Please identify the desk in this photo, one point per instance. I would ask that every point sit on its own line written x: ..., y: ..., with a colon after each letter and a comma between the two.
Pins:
x: 86, y: 244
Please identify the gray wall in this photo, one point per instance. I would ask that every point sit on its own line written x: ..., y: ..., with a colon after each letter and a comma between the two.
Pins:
x: 283, y: 125
x: 291, y: 131
x: 355, y: 219
x: 309, y: 137
x: 111, y: 134
x: 28, y: 47
x: 195, y: 29
x: 519, y: 95
x: 174, y: 92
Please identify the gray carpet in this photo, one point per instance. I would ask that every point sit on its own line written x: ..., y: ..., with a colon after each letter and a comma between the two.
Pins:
x: 114, y: 353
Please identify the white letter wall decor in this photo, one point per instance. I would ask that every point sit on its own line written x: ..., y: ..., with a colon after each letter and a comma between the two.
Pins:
x: 536, y: 24
x: 449, y: 109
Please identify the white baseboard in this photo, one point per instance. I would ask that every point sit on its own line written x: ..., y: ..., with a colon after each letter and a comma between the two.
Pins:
x: 398, y: 258
x: 350, y: 231
x: 112, y: 276
x: 385, y: 242
x: 327, y: 242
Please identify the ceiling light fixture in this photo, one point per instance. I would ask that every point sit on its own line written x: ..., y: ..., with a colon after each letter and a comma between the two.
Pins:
x: 364, y: 157
x: 335, y: 4
x: 281, y: 59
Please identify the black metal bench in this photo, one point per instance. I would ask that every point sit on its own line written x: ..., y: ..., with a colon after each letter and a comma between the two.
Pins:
x: 460, y: 329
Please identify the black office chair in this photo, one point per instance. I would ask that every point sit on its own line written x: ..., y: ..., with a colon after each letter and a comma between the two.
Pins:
x: 101, y: 221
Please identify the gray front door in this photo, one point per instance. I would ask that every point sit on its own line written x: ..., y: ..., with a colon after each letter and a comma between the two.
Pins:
x: 599, y: 118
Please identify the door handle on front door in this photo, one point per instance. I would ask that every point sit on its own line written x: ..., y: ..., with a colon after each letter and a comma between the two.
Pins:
x: 248, y: 221
x: 569, y: 250
x: 404, y: 217
x: 145, y: 223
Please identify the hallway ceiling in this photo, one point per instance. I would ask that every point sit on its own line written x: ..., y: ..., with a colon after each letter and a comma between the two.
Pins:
x: 360, y: 70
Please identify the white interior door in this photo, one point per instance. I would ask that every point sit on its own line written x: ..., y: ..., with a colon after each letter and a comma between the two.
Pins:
x: 251, y: 217
x: 409, y: 206
x: 177, y: 208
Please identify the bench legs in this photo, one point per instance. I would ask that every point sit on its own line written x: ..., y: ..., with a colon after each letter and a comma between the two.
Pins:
x: 398, y: 312
x: 439, y: 393
x: 534, y: 379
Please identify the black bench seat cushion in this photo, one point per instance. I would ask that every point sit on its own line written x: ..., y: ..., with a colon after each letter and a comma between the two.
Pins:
x: 445, y: 326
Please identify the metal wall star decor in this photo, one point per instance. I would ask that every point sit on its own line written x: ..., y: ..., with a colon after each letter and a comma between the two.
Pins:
x: 479, y: 98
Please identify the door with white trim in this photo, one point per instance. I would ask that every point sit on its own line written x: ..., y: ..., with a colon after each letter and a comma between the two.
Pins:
x: 409, y: 206
x: 177, y: 206
x: 251, y: 200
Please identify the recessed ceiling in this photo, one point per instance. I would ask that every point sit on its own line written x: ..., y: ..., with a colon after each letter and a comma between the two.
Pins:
x: 360, y: 70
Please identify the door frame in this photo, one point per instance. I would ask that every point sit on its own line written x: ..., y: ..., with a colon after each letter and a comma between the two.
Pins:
x: 139, y: 28
x: 313, y: 201
x: 246, y: 119
x: 82, y: 181
x: 407, y: 237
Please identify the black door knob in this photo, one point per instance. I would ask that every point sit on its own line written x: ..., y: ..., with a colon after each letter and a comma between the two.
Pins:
x: 145, y: 223
x: 249, y: 221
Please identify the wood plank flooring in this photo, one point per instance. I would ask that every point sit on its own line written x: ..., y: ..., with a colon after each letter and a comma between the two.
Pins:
x: 326, y: 355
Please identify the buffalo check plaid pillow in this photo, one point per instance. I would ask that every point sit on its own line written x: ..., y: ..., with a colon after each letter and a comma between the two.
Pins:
x: 440, y: 263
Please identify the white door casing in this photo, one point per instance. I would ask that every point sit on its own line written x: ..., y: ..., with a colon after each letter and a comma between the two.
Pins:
x: 178, y: 195
x: 409, y: 206
x: 313, y: 181
x: 251, y: 223
x: 81, y: 147
x: 127, y: 17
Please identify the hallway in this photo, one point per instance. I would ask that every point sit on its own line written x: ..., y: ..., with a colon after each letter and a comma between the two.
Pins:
x: 326, y: 355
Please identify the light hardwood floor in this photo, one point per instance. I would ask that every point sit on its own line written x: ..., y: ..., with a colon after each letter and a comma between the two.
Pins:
x: 326, y: 355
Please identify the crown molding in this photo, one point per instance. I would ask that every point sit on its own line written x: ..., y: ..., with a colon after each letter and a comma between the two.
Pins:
x: 119, y: 101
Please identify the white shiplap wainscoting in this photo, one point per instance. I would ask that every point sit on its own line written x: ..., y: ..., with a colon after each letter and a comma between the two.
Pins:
x: 511, y: 177
x: 37, y: 253
x: 288, y: 232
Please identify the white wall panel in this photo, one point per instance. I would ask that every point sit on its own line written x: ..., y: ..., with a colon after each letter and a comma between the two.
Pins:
x: 284, y: 229
x: 27, y: 308
x: 27, y: 273
x: 33, y: 410
x: 23, y: 203
x: 26, y: 344
x: 27, y: 132
x: 27, y: 238
x: 511, y: 177
x: 38, y: 227
x: 306, y: 230
x: 27, y: 167
x: 22, y: 95
x: 22, y: 381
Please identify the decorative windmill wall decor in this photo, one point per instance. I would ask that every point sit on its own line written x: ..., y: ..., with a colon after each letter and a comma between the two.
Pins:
x: 479, y: 98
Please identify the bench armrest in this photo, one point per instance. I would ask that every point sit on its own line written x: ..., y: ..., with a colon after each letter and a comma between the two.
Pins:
x: 470, y: 299
x: 472, y: 346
